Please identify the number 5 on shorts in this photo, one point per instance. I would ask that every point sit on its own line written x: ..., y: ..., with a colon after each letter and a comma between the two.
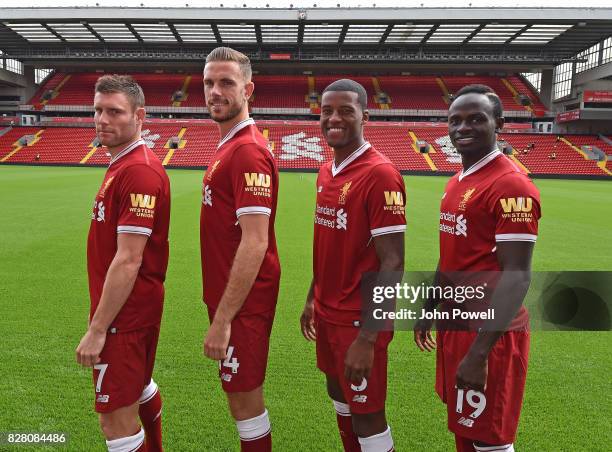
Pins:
x: 102, y: 369
x: 474, y: 399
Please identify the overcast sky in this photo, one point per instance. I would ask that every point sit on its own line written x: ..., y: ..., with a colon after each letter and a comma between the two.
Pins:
x: 321, y: 3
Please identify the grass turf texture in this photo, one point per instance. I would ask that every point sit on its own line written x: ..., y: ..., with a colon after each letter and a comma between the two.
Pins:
x: 44, y: 308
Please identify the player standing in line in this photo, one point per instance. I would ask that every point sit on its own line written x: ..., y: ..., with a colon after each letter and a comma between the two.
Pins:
x: 127, y: 257
x: 359, y: 228
x: 240, y: 266
x: 488, y: 223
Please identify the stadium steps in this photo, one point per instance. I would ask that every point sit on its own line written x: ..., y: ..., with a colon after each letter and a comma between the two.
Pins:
x: 575, y: 148
x: 426, y: 156
x: 266, y: 133
x: 92, y: 151
x: 314, y: 106
x: 515, y: 94
x: 57, y: 90
x: 444, y: 88
x: 378, y: 91
x: 181, y: 145
x: 517, y: 162
x: 18, y: 147
x: 184, y: 90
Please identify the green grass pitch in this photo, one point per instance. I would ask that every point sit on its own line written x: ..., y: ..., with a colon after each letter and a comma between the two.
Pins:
x: 44, y: 307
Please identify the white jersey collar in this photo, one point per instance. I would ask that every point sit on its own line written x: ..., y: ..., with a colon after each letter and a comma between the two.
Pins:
x: 129, y: 148
x: 480, y: 163
x: 234, y: 130
x: 351, y: 158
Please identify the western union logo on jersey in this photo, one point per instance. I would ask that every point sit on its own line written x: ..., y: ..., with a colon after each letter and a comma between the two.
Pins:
x: 257, y: 179
x: 142, y: 201
x: 394, y: 198
x: 520, y: 204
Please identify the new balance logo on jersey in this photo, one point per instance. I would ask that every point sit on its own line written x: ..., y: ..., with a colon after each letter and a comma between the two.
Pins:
x: 467, y: 422
x: 360, y: 398
x: 226, y: 377
x: 461, y: 226
x: 520, y: 204
x: 394, y: 198
x: 142, y: 201
x: 102, y: 398
x: 341, y: 219
x: 207, y: 196
x: 257, y: 179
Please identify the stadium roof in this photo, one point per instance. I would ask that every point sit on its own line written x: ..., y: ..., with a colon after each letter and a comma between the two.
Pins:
x: 533, y: 35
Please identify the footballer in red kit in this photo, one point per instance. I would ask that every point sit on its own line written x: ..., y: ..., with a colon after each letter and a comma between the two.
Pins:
x: 127, y: 258
x: 359, y: 227
x: 240, y: 265
x: 488, y: 223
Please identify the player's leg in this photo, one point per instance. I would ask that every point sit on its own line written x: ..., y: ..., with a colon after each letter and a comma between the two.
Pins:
x: 150, y: 402
x: 252, y: 420
x: 481, y: 447
x: 343, y: 416
x: 118, y: 381
x: 149, y: 411
x: 242, y: 375
x: 373, y: 432
x: 121, y: 429
x: 463, y: 444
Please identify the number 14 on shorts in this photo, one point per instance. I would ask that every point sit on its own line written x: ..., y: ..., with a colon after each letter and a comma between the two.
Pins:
x: 230, y: 361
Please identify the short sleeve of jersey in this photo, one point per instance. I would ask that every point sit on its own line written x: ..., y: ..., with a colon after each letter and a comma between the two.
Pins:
x: 252, y: 178
x: 516, y: 206
x: 386, y: 201
x: 139, y: 194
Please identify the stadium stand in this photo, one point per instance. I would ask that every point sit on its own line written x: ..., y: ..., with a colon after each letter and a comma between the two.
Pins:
x: 424, y: 92
x: 299, y: 145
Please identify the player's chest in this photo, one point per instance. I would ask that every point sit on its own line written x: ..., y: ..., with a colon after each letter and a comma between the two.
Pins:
x: 103, y: 205
x: 464, y: 209
x: 340, y: 204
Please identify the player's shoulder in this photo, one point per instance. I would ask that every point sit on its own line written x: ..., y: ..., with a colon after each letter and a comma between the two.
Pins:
x: 380, y: 165
x: 512, y: 179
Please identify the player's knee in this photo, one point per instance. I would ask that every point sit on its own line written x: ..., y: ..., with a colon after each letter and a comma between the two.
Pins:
x: 246, y: 405
x: 334, y: 390
x: 366, y: 425
x: 118, y: 424
x: 148, y: 392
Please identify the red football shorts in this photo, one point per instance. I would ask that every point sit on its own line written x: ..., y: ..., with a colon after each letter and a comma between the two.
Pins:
x: 244, y: 367
x: 125, y: 368
x: 333, y: 341
x: 492, y: 417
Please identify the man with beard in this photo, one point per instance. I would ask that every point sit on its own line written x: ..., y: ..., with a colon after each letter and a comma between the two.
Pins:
x: 127, y: 257
x: 240, y: 266
x: 359, y: 229
x: 488, y: 223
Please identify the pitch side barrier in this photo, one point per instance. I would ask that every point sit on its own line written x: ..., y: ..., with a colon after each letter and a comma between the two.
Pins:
x: 488, y: 301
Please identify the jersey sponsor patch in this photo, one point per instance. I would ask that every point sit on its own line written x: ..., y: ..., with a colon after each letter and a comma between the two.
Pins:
x: 258, y: 184
x: 143, y: 205
x: 394, y: 202
x: 517, y: 210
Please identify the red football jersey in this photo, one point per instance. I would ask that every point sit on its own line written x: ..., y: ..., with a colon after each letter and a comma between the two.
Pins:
x: 491, y: 202
x: 241, y: 179
x: 362, y: 198
x: 135, y: 199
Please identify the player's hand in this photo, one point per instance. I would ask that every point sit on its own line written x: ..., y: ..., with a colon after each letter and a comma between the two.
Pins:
x: 307, y: 321
x: 217, y: 340
x: 422, y: 335
x: 90, y: 347
x: 358, y: 360
x: 472, y: 373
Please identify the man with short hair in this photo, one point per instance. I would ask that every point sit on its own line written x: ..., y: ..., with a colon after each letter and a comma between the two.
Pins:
x: 488, y: 224
x: 240, y: 266
x: 359, y: 228
x: 127, y: 257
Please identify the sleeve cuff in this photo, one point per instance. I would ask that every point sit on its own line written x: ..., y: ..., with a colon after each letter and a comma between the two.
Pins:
x: 388, y: 230
x: 254, y: 210
x: 134, y: 230
x: 515, y: 237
